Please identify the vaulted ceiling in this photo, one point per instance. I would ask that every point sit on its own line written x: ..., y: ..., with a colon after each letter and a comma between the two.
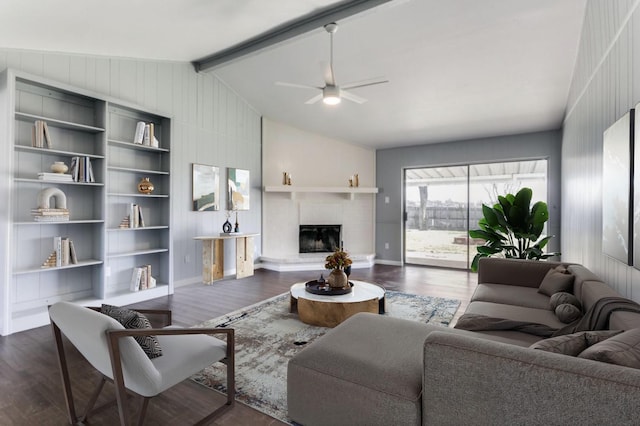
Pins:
x: 457, y: 69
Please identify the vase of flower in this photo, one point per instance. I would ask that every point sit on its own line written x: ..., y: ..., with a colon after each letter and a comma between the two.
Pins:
x: 337, y: 279
x: 337, y: 262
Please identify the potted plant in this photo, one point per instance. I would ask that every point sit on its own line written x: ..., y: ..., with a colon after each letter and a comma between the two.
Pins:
x: 337, y: 262
x: 513, y: 228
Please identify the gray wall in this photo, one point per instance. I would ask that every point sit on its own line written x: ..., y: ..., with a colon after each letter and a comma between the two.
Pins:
x: 211, y: 125
x: 391, y: 163
x: 606, y: 84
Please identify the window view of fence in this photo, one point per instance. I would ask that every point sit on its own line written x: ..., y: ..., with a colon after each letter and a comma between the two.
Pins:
x: 443, y: 203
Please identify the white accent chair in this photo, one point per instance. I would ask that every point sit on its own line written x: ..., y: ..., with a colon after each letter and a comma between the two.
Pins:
x: 111, y: 349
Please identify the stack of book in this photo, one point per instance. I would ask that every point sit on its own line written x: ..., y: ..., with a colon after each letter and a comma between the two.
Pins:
x: 50, y: 215
x: 141, y: 278
x: 58, y: 177
x: 40, y: 135
x: 145, y: 135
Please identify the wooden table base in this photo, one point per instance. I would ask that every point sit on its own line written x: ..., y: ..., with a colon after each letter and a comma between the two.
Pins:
x: 330, y: 314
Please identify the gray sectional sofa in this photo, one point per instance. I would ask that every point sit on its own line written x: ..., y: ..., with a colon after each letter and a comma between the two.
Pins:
x: 377, y: 370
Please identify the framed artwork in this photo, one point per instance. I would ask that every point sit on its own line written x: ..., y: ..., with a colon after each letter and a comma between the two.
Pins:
x: 617, y: 190
x: 238, y: 189
x: 206, y: 188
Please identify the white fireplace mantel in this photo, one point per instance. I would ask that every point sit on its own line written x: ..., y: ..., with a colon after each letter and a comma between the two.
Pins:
x: 350, y: 191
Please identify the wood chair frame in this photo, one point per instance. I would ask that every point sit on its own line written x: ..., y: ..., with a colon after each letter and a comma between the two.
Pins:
x: 113, y: 339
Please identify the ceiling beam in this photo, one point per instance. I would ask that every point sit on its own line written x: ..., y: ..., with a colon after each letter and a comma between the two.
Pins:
x: 285, y: 32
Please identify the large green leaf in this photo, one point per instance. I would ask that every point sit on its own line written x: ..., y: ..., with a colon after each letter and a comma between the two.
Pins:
x: 485, y: 235
x: 517, y: 218
x: 489, y: 216
x: 543, y: 242
x: 539, y: 213
x: 488, y: 250
x: 523, y: 199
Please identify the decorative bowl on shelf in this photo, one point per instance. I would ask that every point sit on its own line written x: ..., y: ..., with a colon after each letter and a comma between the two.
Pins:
x: 145, y: 186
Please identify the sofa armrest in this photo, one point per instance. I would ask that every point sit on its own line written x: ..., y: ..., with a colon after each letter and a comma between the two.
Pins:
x: 469, y: 380
x: 526, y: 273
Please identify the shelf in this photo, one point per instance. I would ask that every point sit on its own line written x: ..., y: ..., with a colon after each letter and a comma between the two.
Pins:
x: 62, y: 222
x: 131, y: 145
x: 49, y: 151
x: 140, y: 228
x: 351, y: 192
x: 80, y: 264
x: 138, y: 253
x: 130, y: 170
x: 118, y: 194
x: 59, y: 123
x: 58, y: 182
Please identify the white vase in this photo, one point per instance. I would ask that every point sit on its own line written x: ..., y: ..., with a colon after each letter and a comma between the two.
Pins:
x: 59, y: 167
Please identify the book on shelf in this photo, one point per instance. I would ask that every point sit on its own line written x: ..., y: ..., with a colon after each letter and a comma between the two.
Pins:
x: 57, y: 247
x: 136, y: 219
x: 66, y: 255
x: 50, y: 215
x: 135, y: 279
x: 81, y: 169
x: 141, y: 278
x: 73, y: 256
x: 47, y: 135
x: 59, y: 177
x: 40, y: 134
x: 139, y: 134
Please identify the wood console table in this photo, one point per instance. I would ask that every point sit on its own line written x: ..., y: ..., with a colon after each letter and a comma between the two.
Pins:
x: 213, y: 256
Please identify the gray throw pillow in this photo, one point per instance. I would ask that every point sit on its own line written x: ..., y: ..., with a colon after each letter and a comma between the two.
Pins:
x: 568, y: 313
x: 564, y: 297
x: 556, y: 281
x: 573, y: 344
x: 623, y: 349
x: 134, y: 320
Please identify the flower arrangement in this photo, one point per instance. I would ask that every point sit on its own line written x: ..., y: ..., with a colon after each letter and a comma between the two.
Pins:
x: 339, y: 259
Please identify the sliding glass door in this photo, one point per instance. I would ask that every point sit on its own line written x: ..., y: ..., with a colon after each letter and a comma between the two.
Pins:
x: 442, y: 203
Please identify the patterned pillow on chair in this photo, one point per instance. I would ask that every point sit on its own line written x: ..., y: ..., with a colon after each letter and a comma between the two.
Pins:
x: 133, y: 320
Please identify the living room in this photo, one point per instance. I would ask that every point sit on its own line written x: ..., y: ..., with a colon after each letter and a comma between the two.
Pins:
x: 213, y: 124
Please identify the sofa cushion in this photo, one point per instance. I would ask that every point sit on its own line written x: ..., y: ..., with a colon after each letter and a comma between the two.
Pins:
x: 511, y: 295
x: 516, y: 313
x: 133, y: 320
x: 592, y: 291
x: 623, y: 349
x: 573, y: 344
x: 624, y: 320
x: 563, y: 297
x: 555, y: 281
x: 582, y: 275
x: 568, y: 313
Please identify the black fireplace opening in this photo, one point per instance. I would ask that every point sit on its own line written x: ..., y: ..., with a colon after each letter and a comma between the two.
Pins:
x: 320, y: 238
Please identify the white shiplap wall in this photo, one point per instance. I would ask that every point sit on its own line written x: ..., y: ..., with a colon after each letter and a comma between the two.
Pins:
x: 211, y: 125
x: 606, y: 84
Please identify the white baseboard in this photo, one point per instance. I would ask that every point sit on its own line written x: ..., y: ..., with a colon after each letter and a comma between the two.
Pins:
x: 388, y: 262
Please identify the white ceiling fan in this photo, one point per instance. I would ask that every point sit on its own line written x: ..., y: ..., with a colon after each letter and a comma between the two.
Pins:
x: 331, y: 92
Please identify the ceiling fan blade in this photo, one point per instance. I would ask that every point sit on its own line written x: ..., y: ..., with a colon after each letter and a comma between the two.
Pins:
x: 299, y: 86
x: 364, y: 83
x: 314, y: 99
x: 353, y: 98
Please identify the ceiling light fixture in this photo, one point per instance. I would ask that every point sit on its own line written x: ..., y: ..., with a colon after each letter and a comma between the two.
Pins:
x: 331, y: 95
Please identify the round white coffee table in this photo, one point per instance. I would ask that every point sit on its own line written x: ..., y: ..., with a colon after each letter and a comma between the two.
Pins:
x: 329, y: 311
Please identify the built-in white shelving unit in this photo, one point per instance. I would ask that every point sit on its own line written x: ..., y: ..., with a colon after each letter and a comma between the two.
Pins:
x: 80, y: 124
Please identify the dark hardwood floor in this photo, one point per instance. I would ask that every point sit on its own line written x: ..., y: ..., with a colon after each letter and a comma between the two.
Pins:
x: 30, y: 390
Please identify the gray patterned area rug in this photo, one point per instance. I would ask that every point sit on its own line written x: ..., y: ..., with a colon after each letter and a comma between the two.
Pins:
x: 267, y: 336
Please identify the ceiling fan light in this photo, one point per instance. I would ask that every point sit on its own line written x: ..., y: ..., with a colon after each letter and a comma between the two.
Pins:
x: 331, y: 100
x: 331, y: 95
